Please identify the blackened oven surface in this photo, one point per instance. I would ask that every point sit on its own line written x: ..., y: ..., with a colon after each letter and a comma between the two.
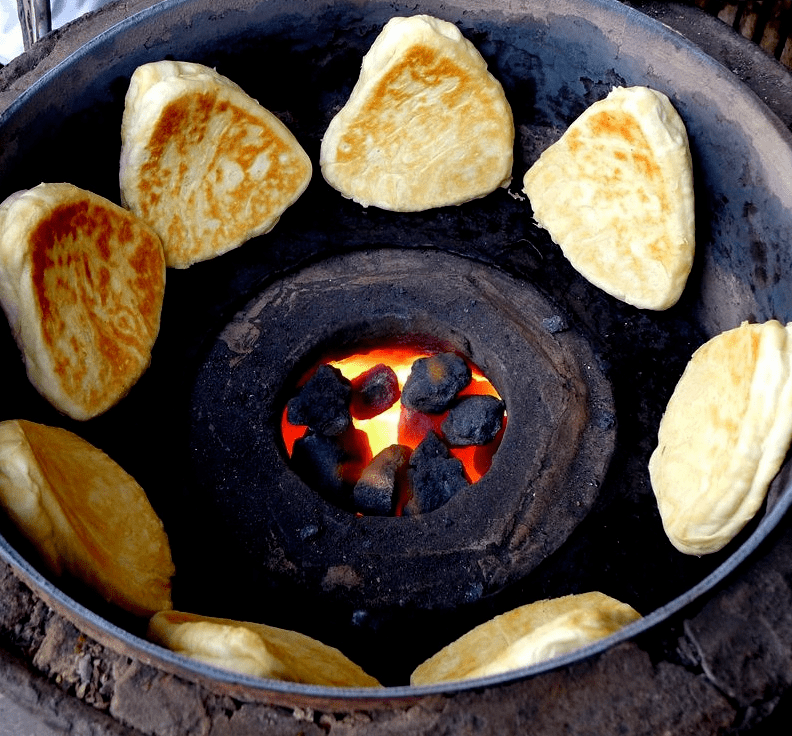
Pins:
x: 373, y: 576
x: 552, y: 63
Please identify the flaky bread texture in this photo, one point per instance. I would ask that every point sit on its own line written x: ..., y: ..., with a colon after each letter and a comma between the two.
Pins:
x: 85, y: 515
x: 615, y: 192
x: 426, y: 124
x: 82, y: 282
x: 202, y: 162
x: 256, y: 649
x: 525, y: 636
x: 725, y: 432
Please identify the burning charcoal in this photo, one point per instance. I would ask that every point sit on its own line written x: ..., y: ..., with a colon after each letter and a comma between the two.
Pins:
x: 431, y: 448
x: 374, y: 391
x: 475, y: 420
x: 322, y: 403
x: 320, y: 462
x: 357, y: 453
x: 414, y: 426
x: 435, y: 476
x: 434, y: 484
x: 434, y: 382
x: 375, y: 491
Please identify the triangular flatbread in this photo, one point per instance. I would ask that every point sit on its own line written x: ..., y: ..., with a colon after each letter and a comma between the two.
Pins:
x: 724, y: 435
x: 425, y: 126
x: 525, y: 636
x: 256, y: 649
x: 202, y: 162
x: 85, y: 515
x: 615, y: 192
x: 82, y: 282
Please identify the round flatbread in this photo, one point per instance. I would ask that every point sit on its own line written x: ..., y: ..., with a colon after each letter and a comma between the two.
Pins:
x: 202, y: 162
x: 425, y: 126
x: 256, y: 649
x: 615, y: 192
x: 527, y: 635
x: 82, y: 282
x: 85, y: 515
x: 724, y: 435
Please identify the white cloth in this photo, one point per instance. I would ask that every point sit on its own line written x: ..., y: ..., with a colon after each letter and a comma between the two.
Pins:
x: 11, y: 32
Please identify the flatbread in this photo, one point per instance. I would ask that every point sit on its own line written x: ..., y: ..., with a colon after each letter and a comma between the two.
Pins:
x: 616, y: 194
x: 85, y: 515
x: 425, y: 126
x: 724, y: 435
x: 256, y: 649
x: 525, y: 636
x: 202, y: 162
x: 82, y: 282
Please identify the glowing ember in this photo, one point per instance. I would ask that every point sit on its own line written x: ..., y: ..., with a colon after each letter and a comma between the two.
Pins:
x: 397, y: 424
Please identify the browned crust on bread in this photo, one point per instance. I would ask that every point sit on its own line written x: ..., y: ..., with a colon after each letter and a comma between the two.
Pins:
x: 83, y: 287
x: 425, y: 126
x: 185, y: 123
x: 203, y: 163
x: 85, y: 515
x: 616, y: 193
x: 421, y: 65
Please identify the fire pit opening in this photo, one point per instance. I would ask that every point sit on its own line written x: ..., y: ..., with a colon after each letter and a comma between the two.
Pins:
x: 292, y: 546
x: 393, y: 428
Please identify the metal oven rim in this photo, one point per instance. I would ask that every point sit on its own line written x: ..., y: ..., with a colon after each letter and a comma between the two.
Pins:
x: 319, y: 697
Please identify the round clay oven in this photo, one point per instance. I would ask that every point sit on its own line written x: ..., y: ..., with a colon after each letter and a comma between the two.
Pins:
x: 545, y: 477
x: 200, y: 431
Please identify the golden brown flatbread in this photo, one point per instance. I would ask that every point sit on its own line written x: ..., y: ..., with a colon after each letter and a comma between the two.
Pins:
x: 615, y: 192
x: 256, y: 649
x: 202, y: 162
x: 82, y: 282
x: 85, y: 515
x: 724, y: 435
x: 527, y: 635
x: 426, y: 124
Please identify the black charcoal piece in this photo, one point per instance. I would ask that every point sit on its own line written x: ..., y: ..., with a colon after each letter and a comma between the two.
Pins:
x: 431, y: 448
x: 475, y: 420
x: 434, y: 382
x: 319, y: 461
x: 322, y: 403
x: 374, y: 392
x: 435, y: 476
x: 375, y: 492
x: 435, y: 483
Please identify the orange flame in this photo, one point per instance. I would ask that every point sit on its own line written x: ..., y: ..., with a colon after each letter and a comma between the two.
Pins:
x: 399, y: 424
